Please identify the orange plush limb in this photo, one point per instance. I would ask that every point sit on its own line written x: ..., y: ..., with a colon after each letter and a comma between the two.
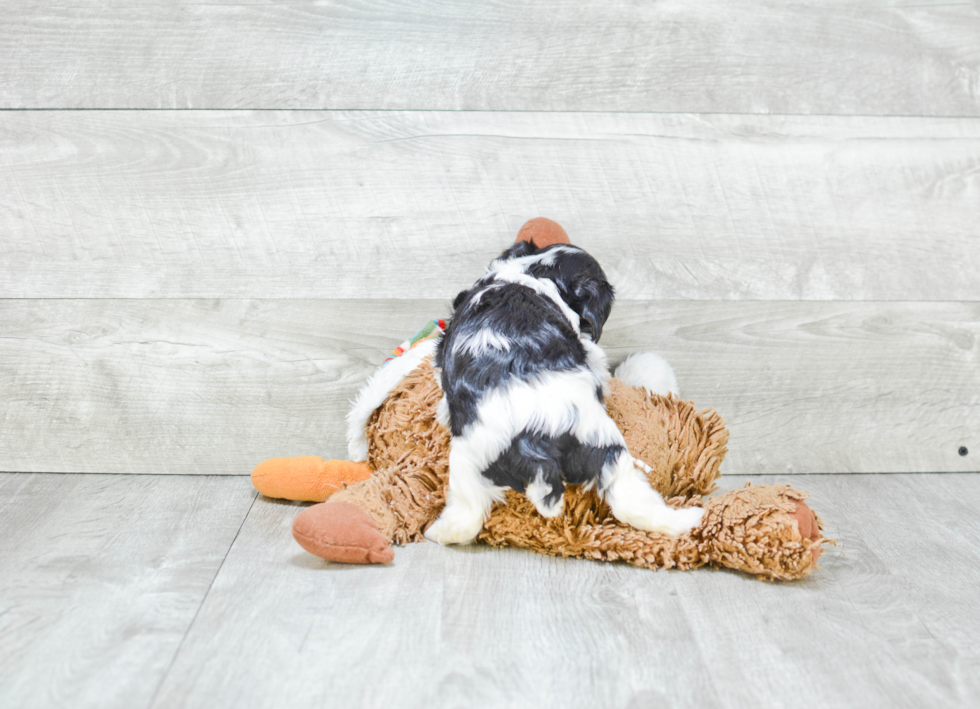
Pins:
x: 306, y: 478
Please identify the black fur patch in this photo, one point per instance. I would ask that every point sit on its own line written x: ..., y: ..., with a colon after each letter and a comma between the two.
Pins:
x: 555, y: 460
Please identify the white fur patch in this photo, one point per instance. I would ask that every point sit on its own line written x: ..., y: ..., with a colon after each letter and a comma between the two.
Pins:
x: 536, y: 491
x: 650, y: 371
x: 376, y: 390
x: 442, y: 408
x: 595, y: 357
x: 479, y: 342
x: 484, y: 289
x: 547, y: 258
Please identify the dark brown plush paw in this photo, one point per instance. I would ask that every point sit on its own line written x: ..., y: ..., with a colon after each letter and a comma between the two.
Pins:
x: 339, y: 531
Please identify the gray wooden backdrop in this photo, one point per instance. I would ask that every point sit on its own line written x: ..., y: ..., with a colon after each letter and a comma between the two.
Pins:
x: 787, y: 197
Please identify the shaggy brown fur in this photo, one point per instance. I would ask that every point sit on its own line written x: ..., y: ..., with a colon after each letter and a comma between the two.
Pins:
x: 765, y: 531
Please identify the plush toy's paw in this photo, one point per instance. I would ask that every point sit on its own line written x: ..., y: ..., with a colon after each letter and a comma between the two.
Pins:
x: 765, y: 530
x: 806, y: 520
x: 339, y: 531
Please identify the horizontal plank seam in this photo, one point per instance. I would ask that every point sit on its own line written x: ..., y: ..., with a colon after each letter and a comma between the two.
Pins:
x: 752, y: 475
x: 13, y: 109
x: 194, y: 298
x: 134, y: 475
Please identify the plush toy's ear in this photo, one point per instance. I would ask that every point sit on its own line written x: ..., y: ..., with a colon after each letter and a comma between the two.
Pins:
x: 543, y: 232
x: 592, y: 299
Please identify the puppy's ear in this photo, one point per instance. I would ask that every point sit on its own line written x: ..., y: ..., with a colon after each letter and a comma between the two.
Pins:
x: 592, y: 299
x: 518, y: 249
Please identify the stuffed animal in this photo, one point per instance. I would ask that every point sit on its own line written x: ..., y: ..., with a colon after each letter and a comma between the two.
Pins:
x: 399, y: 487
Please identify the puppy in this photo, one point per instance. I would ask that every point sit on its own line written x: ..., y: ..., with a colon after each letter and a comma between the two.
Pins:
x: 523, y: 382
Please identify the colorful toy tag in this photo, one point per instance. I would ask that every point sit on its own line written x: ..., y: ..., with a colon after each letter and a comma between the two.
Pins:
x: 433, y: 328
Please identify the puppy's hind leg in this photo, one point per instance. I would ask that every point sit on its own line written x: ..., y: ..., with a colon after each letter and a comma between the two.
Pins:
x: 468, y: 499
x: 626, y: 489
x: 634, y: 502
x: 546, y: 491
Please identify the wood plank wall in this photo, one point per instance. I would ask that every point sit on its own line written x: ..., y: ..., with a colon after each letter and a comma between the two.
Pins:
x: 760, y: 56
x: 791, y: 219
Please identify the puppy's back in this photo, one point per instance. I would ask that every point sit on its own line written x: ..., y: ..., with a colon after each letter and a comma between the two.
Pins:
x: 499, y: 332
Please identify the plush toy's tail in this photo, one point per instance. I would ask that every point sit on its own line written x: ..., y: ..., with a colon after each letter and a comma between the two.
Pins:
x: 306, y: 478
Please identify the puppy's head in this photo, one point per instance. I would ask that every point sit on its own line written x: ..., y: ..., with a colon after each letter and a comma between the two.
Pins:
x: 579, y: 278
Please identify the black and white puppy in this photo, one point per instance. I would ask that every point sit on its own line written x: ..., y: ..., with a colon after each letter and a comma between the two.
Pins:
x: 523, y: 383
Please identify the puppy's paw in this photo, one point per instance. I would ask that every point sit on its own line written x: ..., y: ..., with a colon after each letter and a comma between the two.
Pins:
x: 664, y: 520
x: 537, y: 493
x: 454, y: 528
x: 681, y: 521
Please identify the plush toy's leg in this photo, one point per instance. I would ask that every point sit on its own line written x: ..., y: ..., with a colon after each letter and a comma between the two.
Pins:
x: 767, y: 531
x: 684, y: 446
x: 764, y: 530
x: 359, y: 523
x: 306, y: 478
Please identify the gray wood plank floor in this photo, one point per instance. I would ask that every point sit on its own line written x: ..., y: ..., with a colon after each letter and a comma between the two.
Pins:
x: 100, y: 578
x: 758, y: 56
x: 412, y: 204
x: 170, y: 600
x: 216, y: 386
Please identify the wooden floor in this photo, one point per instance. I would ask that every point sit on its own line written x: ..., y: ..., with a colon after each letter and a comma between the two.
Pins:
x: 188, y: 591
x: 216, y: 219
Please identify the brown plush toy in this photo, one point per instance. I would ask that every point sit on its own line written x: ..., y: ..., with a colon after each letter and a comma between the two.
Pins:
x: 764, y: 530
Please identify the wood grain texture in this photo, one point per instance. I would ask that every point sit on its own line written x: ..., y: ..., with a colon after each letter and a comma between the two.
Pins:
x: 755, y: 57
x: 171, y: 386
x: 408, y: 205
x: 884, y: 622
x: 823, y: 387
x: 483, y: 627
x: 216, y: 386
x: 100, y: 578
